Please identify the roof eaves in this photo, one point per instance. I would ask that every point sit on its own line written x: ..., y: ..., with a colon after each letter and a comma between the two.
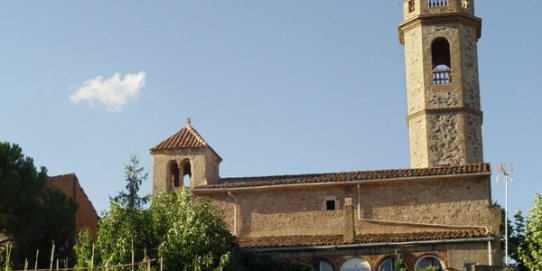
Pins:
x: 331, y: 179
x: 361, y: 245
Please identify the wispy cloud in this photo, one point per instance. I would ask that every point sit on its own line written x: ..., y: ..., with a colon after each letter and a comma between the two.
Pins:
x: 112, y: 93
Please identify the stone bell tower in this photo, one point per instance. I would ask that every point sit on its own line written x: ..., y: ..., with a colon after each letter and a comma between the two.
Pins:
x: 444, y: 116
x: 184, y: 160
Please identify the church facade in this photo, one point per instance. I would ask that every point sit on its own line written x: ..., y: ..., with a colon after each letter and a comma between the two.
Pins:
x: 436, y: 213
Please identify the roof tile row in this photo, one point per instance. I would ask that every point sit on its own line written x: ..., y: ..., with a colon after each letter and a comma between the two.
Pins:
x: 347, y: 176
x: 326, y: 240
x: 187, y: 137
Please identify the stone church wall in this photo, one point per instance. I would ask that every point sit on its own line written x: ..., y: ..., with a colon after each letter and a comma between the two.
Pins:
x: 301, y: 210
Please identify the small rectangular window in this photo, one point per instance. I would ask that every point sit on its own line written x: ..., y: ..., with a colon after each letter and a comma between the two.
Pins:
x: 330, y: 205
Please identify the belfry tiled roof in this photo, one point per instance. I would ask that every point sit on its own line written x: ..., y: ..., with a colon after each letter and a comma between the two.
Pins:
x: 327, y: 240
x: 187, y: 138
x: 347, y: 176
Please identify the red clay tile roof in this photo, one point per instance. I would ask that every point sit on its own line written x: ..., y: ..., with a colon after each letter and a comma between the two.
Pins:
x: 347, y: 176
x: 187, y: 137
x: 326, y: 240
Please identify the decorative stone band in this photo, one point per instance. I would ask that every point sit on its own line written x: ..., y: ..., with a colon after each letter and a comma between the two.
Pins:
x: 454, y: 110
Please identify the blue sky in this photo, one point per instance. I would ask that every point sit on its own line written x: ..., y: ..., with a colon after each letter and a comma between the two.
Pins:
x: 276, y: 87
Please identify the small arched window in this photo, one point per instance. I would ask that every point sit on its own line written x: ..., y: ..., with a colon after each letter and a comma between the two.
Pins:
x: 322, y: 266
x: 173, y: 176
x: 441, y: 61
x: 386, y: 265
x: 186, y: 172
x: 356, y: 264
x: 427, y: 262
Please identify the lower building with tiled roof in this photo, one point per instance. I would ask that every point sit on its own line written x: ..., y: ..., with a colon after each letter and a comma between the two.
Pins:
x: 437, y: 214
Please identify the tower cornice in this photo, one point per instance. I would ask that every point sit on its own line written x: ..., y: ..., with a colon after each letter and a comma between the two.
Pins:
x: 442, y: 18
x: 453, y: 110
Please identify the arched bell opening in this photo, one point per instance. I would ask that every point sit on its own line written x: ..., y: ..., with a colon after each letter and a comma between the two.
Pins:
x: 186, y: 173
x: 173, y: 173
x: 441, y: 61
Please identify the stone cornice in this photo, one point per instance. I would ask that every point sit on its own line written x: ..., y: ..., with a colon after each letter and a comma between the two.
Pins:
x: 446, y: 18
x: 453, y: 110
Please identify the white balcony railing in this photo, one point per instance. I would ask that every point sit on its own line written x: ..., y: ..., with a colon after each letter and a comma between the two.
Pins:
x: 438, y: 3
x: 441, y: 77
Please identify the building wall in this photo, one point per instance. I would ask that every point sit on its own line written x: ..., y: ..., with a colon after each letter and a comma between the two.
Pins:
x: 204, y: 167
x: 85, y: 216
x: 300, y: 211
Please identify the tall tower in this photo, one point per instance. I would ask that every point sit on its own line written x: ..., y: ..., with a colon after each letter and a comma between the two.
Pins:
x: 444, y: 116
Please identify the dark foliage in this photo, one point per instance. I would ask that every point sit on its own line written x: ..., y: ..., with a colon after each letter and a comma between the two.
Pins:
x: 257, y: 261
x: 32, y: 215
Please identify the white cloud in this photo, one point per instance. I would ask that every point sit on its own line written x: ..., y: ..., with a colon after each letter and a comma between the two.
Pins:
x: 112, y: 93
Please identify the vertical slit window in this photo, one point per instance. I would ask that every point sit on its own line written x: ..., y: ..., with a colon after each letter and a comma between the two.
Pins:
x: 411, y: 6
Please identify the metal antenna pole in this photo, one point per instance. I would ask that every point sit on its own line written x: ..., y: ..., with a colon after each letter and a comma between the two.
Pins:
x: 507, y: 177
x: 506, y: 218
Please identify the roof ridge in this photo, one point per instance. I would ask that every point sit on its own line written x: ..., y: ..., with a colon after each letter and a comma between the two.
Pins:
x: 62, y: 175
x: 196, y: 134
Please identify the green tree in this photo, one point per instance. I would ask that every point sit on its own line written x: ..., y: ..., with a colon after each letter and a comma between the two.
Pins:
x: 531, y: 252
x: 126, y: 227
x: 83, y: 249
x: 188, y: 234
x: 196, y: 237
x: 32, y: 215
x: 120, y: 231
x: 134, y: 175
x: 20, y: 189
x: 54, y: 221
x: 517, y: 239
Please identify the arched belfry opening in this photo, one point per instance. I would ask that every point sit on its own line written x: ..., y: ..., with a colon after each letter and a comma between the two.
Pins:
x: 173, y: 173
x: 186, y: 172
x: 440, y: 57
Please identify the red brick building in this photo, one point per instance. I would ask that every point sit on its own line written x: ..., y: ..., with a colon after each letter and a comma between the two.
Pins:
x: 85, y: 216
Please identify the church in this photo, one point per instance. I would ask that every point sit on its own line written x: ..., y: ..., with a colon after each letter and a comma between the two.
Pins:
x: 436, y: 213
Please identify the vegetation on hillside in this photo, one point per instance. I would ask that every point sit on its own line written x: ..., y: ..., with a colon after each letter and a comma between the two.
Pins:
x: 32, y: 215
